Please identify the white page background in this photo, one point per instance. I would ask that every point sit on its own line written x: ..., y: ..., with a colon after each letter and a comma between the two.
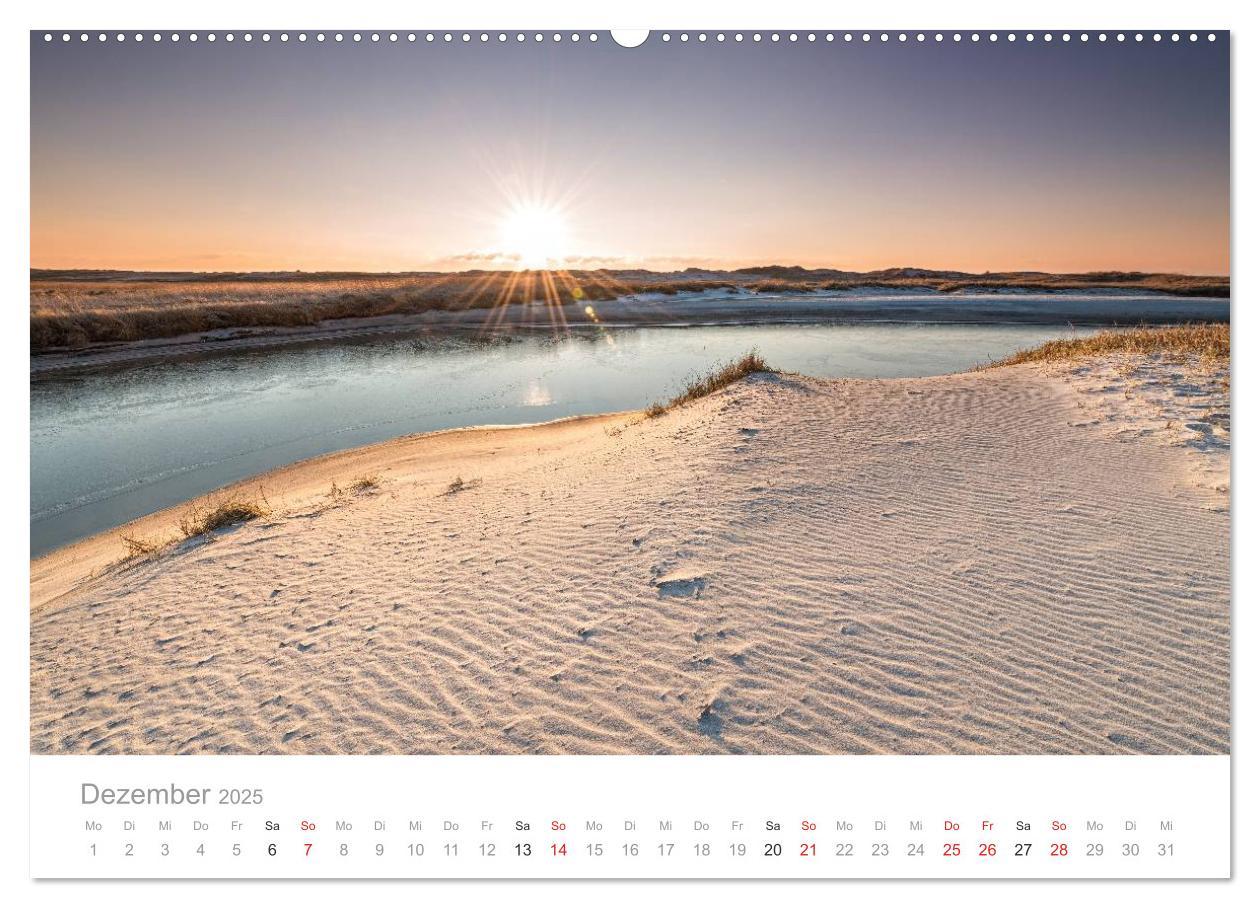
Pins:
x: 570, y: 14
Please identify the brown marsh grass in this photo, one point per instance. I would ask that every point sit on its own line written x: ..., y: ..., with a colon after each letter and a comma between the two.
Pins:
x: 76, y: 313
x: 73, y: 309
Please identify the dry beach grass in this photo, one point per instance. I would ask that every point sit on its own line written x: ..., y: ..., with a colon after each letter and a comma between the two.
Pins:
x: 716, y: 380
x: 1207, y: 342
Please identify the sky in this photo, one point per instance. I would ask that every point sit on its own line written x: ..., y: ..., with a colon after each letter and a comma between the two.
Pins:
x: 399, y: 157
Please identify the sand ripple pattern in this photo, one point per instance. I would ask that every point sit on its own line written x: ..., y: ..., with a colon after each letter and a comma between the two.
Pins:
x: 949, y: 565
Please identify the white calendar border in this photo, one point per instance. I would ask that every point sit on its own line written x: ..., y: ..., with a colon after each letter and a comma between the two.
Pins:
x: 1075, y: 14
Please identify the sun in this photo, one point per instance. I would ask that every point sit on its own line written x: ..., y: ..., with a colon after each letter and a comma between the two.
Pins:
x: 534, y: 236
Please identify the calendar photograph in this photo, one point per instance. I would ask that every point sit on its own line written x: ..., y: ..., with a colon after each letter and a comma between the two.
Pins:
x: 667, y: 393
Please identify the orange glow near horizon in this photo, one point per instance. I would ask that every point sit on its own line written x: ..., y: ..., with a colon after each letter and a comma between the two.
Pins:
x: 147, y: 254
x: 951, y: 227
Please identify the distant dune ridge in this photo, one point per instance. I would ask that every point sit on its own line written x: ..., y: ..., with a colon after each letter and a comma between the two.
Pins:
x: 1024, y: 559
x: 72, y: 309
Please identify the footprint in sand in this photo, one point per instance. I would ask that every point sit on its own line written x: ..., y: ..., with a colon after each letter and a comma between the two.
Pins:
x: 1131, y: 743
x: 681, y: 583
x: 710, y: 718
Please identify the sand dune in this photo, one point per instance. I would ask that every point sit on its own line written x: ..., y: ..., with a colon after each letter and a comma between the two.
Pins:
x: 1032, y: 559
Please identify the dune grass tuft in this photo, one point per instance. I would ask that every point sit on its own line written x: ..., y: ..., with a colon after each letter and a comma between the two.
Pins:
x: 366, y: 483
x: 138, y: 547
x: 222, y: 513
x: 1206, y: 341
x: 715, y: 381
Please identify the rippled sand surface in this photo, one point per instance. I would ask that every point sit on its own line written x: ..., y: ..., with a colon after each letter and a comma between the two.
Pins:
x: 1023, y: 560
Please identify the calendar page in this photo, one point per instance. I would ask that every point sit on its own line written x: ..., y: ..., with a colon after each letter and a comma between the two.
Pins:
x: 558, y: 453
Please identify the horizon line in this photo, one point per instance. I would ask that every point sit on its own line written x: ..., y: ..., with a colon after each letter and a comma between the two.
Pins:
x: 746, y: 269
